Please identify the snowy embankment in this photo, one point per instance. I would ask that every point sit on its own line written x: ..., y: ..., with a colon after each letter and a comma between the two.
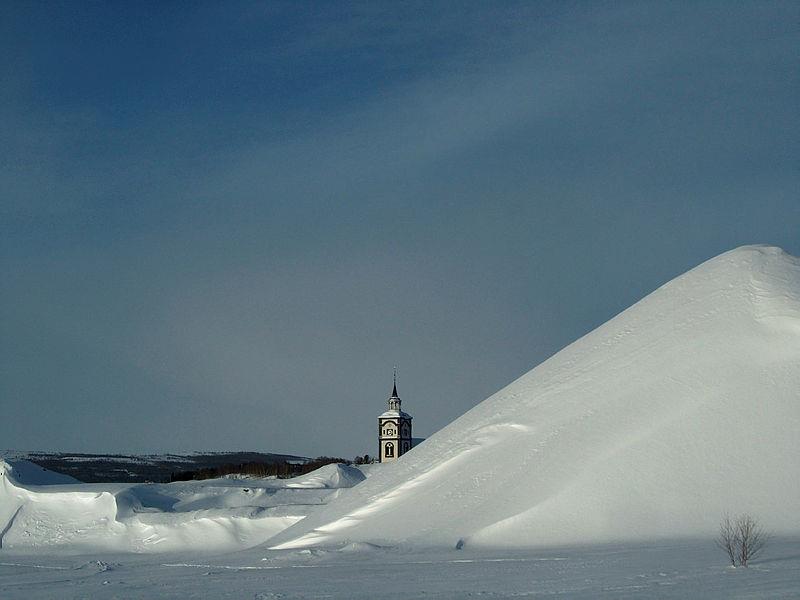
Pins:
x: 211, y: 515
x: 683, y: 407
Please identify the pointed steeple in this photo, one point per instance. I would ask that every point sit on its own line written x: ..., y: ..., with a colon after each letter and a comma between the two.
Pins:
x: 394, y: 384
x: 394, y: 399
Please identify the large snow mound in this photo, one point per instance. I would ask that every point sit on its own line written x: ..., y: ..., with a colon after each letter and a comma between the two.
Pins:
x: 681, y: 408
x: 202, y: 516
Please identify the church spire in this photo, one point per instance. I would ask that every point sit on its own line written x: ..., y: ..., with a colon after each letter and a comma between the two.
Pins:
x: 394, y: 399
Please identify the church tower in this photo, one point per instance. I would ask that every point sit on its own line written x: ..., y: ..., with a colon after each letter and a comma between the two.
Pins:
x: 394, y: 429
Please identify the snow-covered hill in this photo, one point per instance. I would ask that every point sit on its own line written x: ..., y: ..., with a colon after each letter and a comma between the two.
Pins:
x: 683, y: 407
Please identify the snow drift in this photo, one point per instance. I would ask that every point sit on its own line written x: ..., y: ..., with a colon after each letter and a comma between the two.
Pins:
x: 683, y: 407
x: 211, y: 515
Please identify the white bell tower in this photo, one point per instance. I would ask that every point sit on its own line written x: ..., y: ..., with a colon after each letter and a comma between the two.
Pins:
x: 394, y: 429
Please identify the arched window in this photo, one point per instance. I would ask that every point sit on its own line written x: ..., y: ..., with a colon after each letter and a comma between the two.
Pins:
x: 389, y: 450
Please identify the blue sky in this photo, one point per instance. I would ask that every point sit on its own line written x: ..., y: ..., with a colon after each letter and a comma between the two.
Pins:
x: 222, y: 224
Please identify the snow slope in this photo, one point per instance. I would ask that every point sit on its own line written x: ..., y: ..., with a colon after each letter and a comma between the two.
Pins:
x: 28, y: 473
x: 683, y: 407
x: 197, y: 516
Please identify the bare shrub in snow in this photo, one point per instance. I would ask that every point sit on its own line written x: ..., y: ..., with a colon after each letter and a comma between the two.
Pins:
x: 751, y: 537
x: 727, y: 539
x: 741, y: 539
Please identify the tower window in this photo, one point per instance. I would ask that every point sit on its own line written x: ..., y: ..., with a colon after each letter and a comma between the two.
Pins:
x: 389, y: 450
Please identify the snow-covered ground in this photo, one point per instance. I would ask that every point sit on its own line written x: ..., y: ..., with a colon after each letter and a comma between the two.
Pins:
x: 679, y: 569
x: 602, y: 473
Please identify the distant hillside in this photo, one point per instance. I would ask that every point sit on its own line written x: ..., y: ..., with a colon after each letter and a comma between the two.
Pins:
x: 139, y: 468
